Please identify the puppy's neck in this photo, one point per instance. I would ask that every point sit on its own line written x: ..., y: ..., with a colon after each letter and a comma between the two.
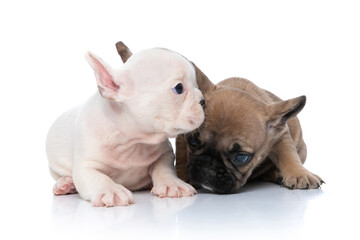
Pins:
x: 127, y: 128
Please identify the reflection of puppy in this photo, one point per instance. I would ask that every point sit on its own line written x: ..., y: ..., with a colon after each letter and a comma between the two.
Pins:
x: 117, y: 141
x: 248, y: 132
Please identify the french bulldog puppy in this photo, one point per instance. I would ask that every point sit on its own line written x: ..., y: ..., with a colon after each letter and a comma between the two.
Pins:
x: 117, y: 141
x: 248, y: 133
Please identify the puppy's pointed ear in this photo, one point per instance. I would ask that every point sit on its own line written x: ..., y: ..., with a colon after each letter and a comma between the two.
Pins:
x: 204, y: 84
x: 279, y: 113
x: 111, y: 86
x: 123, y: 51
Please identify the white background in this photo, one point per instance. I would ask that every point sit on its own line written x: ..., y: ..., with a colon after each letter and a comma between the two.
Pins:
x: 290, y: 48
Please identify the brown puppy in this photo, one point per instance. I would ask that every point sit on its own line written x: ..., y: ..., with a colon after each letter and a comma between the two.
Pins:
x: 248, y: 133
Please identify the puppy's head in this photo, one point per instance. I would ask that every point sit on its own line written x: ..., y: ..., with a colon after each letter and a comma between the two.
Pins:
x: 155, y: 87
x: 236, y: 136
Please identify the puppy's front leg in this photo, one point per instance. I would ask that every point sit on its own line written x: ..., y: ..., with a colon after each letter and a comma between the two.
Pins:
x: 165, y: 181
x: 286, y: 158
x: 95, y: 186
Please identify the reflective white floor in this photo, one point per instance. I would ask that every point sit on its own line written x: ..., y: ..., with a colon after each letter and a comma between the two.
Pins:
x: 261, y: 210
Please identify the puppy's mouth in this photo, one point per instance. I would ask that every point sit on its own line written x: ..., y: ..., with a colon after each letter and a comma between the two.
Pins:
x: 176, y: 131
x: 180, y: 130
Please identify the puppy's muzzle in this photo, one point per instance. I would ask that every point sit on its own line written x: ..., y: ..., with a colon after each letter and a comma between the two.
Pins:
x: 207, y: 172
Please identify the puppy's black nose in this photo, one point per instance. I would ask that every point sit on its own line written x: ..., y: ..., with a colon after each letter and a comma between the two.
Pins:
x: 202, y: 103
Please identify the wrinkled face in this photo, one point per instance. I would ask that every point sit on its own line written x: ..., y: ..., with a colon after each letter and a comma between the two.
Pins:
x: 229, y: 145
x: 165, y: 93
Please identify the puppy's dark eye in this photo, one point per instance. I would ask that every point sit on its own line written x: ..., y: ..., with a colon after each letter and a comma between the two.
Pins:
x: 178, y: 89
x: 241, y: 158
x: 194, y: 140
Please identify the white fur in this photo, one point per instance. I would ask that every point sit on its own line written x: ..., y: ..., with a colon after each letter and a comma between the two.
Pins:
x: 117, y: 141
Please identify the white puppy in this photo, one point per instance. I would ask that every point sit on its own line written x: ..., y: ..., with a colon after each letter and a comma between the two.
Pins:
x: 117, y: 141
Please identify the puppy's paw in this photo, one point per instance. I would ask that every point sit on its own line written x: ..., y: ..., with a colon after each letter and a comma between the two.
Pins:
x: 173, y: 188
x: 302, y: 180
x: 64, y: 185
x: 111, y: 196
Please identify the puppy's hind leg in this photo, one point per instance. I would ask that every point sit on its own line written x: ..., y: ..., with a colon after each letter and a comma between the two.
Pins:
x: 62, y: 174
x: 59, y: 151
x: 64, y: 185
